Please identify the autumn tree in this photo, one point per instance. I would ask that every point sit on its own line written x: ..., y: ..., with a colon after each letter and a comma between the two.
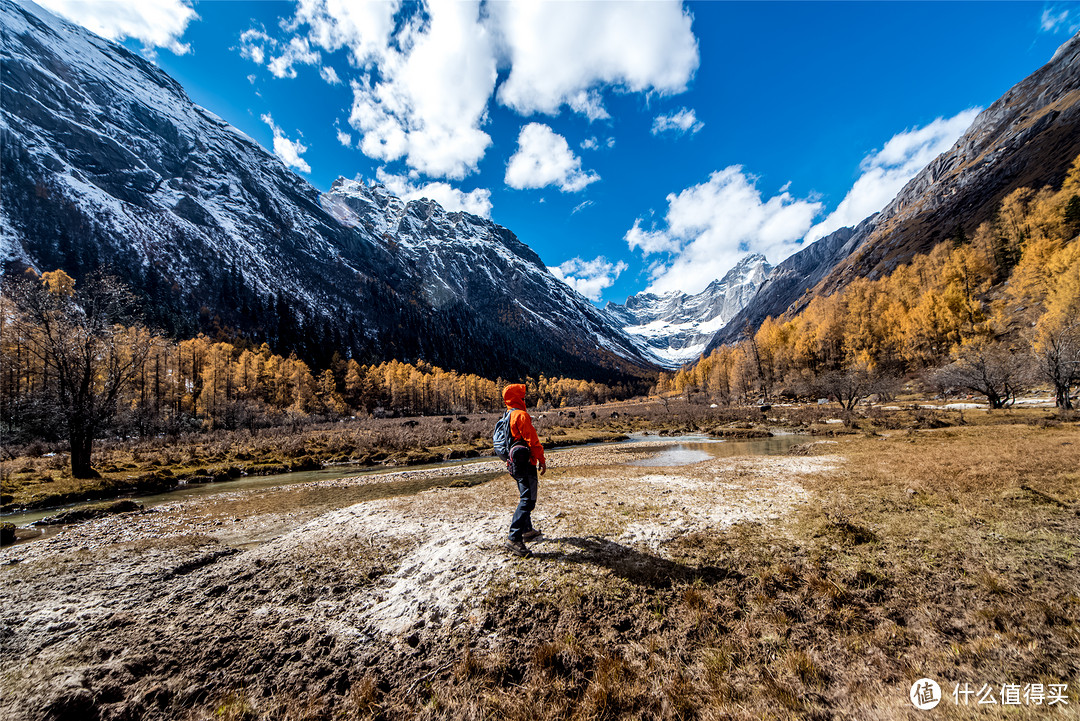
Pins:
x: 87, y: 357
x: 1056, y: 336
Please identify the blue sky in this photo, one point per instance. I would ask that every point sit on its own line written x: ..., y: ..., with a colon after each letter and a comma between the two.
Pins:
x: 633, y: 145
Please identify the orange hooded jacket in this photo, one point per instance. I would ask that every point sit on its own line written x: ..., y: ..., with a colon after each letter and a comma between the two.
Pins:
x: 521, y: 423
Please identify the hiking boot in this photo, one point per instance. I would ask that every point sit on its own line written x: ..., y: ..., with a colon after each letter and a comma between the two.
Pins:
x: 518, y: 549
x: 530, y: 535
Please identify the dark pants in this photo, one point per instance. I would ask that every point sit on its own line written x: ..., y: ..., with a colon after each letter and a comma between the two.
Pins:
x: 524, y: 473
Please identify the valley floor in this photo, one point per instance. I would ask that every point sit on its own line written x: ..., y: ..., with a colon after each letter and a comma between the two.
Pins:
x: 819, y: 584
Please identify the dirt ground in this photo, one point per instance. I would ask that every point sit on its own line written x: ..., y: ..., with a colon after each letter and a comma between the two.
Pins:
x: 320, y: 602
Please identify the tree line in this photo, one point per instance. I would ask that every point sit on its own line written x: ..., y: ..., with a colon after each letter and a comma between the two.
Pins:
x: 77, y: 364
x: 988, y: 314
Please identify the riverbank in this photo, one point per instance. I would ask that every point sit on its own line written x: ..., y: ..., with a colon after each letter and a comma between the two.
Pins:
x: 37, y: 477
x: 820, y: 584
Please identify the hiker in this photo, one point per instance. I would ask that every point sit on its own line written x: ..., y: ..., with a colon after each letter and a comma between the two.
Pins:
x: 526, y: 454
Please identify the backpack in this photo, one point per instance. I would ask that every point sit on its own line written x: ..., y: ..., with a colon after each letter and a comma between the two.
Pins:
x: 501, y: 439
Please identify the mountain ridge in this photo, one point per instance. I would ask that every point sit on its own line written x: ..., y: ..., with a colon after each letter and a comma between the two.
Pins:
x: 1028, y: 137
x: 107, y: 161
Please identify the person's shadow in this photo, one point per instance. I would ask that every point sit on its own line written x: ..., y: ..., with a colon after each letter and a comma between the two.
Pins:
x: 635, y: 566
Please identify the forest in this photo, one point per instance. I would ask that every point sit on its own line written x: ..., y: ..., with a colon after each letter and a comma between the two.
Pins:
x: 77, y: 366
x: 990, y: 315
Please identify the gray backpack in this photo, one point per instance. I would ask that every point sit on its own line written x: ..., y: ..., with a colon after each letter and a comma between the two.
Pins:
x: 501, y: 439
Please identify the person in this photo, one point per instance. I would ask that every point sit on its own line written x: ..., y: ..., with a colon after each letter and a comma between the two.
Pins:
x: 526, y: 454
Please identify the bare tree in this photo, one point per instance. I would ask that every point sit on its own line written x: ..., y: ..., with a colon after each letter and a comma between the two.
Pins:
x: 988, y: 368
x: 87, y: 356
x: 1057, y: 359
x: 852, y: 384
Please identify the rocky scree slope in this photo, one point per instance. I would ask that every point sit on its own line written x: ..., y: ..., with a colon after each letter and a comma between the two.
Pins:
x: 106, y: 161
x: 1029, y: 137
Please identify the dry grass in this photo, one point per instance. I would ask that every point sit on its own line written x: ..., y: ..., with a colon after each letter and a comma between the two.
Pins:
x: 946, y: 548
x: 933, y: 554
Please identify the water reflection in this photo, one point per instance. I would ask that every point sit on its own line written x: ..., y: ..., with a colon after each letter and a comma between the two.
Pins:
x: 694, y: 449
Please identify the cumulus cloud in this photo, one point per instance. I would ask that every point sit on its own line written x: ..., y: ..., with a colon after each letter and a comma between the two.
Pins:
x: 710, y: 226
x: 561, y: 53
x: 154, y: 23
x: 426, y: 73
x: 1056, y: 20
x: 588, y: 277
x: 288, y: 151
x: 885, y: 172
x: 544, y: 158
x: 344, y: 138
x: 429, y: 101
x: 679, y: 123
x: 477, y: 202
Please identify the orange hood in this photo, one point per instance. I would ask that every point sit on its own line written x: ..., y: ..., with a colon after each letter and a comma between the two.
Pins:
x: 514, y: 396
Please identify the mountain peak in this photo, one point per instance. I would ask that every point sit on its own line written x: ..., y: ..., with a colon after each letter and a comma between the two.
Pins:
x: 677, y: 326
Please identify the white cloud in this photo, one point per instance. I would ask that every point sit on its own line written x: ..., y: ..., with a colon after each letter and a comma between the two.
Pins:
x: 428, y: 101
x: 288, y: 151
x: 251, y: 79
x: 297, y: 52
x: 1055, y: 20
x: 562, y: 53
x: 588, y: 103
x: 544, y: 158
x: 588, y: 277
x: 651, y: 241
x: 710, y: 226
x: 594, y: 143
x: 885, y: 172
x: 344, y: 138
x: 582, y: 206
x: 154, y: 23
x: 680, y: 123
x: 477, y: 202
x: 253, y: 44
x: 425, y: 73
x: 329, y: 75
x: 365, y: 28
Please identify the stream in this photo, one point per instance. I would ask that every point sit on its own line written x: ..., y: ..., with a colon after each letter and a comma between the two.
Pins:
x: 670, y: 451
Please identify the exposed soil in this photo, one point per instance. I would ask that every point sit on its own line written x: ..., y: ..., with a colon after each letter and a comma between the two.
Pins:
x: 143, y: 615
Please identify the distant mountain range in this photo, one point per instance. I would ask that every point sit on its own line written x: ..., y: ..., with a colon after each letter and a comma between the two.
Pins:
x: 104, y: 160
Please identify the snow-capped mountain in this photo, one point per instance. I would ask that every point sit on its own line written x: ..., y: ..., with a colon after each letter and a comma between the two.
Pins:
x: 106, y: 161
x: 460, y: 258
x: 677, y: 327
